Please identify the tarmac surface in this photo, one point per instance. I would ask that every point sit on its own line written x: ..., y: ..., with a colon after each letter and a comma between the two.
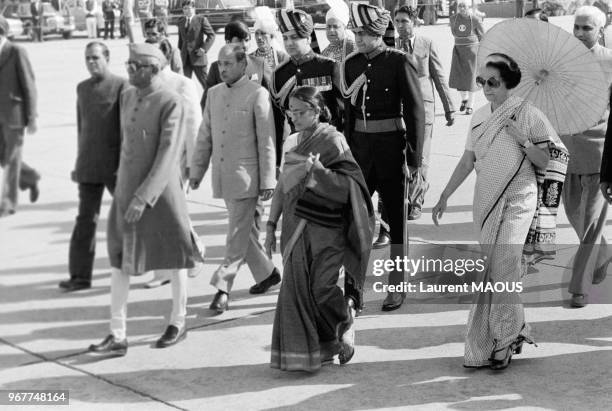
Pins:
x: 407, y: 359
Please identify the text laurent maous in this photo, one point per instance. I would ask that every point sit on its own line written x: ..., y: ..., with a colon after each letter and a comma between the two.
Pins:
x: 421, y: 287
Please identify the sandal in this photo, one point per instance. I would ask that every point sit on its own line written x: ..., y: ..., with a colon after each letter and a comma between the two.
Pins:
x: 463, y: 104
x: 346, y: 334
x: 469, y: 111
x: 497, y: 364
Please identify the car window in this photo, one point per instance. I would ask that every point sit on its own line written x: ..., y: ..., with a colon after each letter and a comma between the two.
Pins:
x: 235, y: 4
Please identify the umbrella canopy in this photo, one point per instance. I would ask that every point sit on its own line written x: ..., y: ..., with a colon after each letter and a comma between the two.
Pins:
x: 559, y: 75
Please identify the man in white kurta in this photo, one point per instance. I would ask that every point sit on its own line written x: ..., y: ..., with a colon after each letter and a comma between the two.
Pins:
x: 237, y: 137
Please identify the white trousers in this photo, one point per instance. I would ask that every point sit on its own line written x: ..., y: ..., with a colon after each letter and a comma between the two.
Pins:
x: 92, y: 27
x: 120, y: 287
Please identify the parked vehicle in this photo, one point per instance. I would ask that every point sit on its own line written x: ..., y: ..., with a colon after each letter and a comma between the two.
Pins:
x: 9, y: 12
x: 218, y: 12
x: 79, y: 13
x: 52, y: 21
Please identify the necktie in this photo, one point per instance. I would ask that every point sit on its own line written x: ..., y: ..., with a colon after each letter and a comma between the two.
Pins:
x: 408, y: 46
x: 187, y: 21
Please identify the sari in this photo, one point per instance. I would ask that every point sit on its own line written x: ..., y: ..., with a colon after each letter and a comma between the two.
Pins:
x: 506, y: 196
x: 326, y: 231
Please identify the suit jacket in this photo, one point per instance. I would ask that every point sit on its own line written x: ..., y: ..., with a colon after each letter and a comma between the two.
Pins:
x: 98, y: 129
x: 237, y: 136
x: 431, y: 74
x: 195, y: 41
x: 256, y: 71
x: 17, y: 87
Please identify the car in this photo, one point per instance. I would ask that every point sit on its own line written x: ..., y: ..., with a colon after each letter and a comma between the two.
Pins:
x: 79, y: 14
x: 53, y: 22
x: 13, y: 20
x: 218, y: 12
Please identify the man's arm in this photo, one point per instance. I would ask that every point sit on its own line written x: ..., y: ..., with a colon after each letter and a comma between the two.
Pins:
x: 437, y: 75
x: 28, y: 86
x: 605, y: 176
x: 203, y: 148
x: 210, y: 35
x: 413, y: 111
x: 264, y: 132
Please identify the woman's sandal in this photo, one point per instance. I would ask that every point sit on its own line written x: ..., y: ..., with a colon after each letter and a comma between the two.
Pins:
x: 346, y: 334
x: 469, y: 111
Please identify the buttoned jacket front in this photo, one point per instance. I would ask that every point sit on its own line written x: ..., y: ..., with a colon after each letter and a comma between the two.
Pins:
x: 237, y: 137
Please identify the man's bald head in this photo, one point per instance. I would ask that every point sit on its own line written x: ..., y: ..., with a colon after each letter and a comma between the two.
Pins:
x: 232, y: 63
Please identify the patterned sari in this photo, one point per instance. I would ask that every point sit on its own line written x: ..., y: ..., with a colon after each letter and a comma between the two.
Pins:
x: 326, y: 230
x: 506, y: 205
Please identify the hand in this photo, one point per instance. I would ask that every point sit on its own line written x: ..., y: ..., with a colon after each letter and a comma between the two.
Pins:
x: 194, y: 183
x: 450, y: 118
x: 606, y: 190
x: 266, y: 194
x: 32, y: 127
x: 270, y: 242
x: 311, y: 160
x: 199, y: 52
x: 513, y: 130
x: 438, y: 210
x: 135, y: 210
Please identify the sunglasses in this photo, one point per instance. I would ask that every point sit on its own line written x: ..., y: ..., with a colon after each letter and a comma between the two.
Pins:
x: 491, y: 82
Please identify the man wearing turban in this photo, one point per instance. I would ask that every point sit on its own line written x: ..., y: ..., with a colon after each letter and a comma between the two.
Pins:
x: 385, y: 121
x: 304, y: 68
x: 148, y: 224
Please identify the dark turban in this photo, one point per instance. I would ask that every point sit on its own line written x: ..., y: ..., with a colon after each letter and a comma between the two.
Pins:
x: 297, y: 20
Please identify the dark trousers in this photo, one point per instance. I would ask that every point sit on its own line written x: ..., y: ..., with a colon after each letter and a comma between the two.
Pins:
x: 17, y: 174
x: 83, y: 241
x: 109, y: 27
x: 382, y: 159
x: 199, y: 71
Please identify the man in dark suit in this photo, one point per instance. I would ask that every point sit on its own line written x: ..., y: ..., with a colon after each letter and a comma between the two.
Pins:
x: 98, y: 142
x: 385, y: 119
x: 17, y: 112
x: 196, y: 37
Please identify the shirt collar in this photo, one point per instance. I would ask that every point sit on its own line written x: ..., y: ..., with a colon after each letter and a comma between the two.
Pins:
x: 303, y: 58
x: 374, y: 53
x: 241, y: 82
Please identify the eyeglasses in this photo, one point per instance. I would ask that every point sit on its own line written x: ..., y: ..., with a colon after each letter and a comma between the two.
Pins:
x: 135, y: 66
x: 297, y: 113
x: 491, y: 82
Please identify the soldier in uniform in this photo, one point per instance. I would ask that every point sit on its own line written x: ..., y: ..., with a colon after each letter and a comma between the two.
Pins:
x: 148, y: 224
x: 385, y: 120
x: 304, y: 68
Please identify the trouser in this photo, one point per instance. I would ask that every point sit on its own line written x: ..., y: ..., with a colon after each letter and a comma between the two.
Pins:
x: 242, y: 245
x: 92, y: 27
x: 418, y: 183
x: 467, y: 96
x: 109, y: 27
x: 16, y: 173
x: 122, y: 27
x: 120, y: 287
x: 83, y: 241
x: 199, y: 71
x: 586, y: 211
x: 37, y: 31
x: 127, y: 23
x: 381, y: 159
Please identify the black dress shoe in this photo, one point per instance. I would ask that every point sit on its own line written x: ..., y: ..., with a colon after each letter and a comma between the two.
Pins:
x: 110, y: 345
x: 383, y: 240
x: 220, y: 302
x: 268, y: 282
x: 393, y: 301
x: 578, y: 301
x: 34, y: 193
x: 171, y: 337
x: 73, y: 285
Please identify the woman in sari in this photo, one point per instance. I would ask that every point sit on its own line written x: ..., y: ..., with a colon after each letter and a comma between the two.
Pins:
x: 512, y: 146
x: 326, y: 230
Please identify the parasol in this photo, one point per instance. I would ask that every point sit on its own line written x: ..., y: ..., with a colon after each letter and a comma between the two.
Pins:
x: 560, y: 76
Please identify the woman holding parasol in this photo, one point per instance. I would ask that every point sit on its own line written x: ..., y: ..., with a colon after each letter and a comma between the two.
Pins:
x: 512, y: 146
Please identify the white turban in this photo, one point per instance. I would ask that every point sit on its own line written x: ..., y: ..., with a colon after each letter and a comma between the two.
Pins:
x: 338, y: 10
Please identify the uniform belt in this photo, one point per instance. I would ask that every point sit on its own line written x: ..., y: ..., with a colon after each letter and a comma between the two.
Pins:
x: 379, y: 126
x: 466, y: 41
